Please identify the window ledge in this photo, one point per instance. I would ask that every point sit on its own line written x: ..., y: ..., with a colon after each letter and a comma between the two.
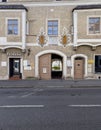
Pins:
x: 53, y: 40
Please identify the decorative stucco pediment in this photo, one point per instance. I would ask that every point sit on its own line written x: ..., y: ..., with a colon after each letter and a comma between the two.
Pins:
x: 65, y: 37
x: 42, y: 37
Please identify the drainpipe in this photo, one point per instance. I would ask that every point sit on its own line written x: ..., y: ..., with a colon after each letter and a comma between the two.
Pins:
x: 23, y: 30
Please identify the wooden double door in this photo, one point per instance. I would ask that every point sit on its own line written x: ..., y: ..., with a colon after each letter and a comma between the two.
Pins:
x: 45, y: 67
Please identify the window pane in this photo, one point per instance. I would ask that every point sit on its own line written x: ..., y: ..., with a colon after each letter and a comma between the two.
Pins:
x: 49, y: 32
x: 13, y: 26
x: 55, y: 23
x: 15, y: 21
x: 94, y: 25
x: 15, y: 29
x: 9, y: 21
x: 53, y: 27
x: 50, y: 23
x: 10, y: 30
x: 55, y: 31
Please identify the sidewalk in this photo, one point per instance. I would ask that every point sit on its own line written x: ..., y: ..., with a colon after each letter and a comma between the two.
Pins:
x: 50, y: 83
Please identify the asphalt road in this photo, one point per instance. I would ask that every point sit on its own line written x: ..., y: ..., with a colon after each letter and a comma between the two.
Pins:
x: 49, y: 108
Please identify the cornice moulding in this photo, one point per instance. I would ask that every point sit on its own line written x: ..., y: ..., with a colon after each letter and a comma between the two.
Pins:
x: 55, y: 3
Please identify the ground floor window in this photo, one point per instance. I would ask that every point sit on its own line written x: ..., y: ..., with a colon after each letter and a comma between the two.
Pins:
x: 97, y: 63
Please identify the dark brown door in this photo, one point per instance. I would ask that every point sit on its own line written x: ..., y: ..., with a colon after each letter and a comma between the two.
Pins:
x: 79, y: 69
x: 45, y: 66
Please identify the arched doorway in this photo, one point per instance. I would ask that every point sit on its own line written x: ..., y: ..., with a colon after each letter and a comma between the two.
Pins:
x: 56, y: 66
x: 45, y: 52
x: 79, y: 68
x: 78, y: 57
x: 50, y: 66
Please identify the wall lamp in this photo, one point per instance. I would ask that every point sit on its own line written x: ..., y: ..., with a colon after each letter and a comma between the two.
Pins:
x: 28, y: 51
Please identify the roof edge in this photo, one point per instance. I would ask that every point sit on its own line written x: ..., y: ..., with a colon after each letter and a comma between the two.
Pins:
x: 87, y: 7
x: 13, y: 6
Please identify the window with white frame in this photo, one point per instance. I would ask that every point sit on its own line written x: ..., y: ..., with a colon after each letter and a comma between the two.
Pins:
x: 52, y: 27
x: 12, y: 26
x: 94, y: 25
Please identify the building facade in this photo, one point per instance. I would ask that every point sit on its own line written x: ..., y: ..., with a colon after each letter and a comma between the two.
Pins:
x: 50, y: 39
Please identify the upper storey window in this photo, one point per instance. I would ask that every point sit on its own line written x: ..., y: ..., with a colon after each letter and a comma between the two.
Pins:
x: 12, y: 26
x: 52, y: 27
x: 94, y: 25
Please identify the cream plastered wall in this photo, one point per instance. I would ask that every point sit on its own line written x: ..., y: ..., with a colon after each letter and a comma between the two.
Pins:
x: 4, y: 15
x: 36, y: 50
x: 38, y: 17
x: 3, y: 69
x: 83, y: 26
x: 87, y: 51
x: 4, y: 61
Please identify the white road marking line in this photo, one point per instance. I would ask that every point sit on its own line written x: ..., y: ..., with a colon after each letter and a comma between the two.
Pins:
x: 22, y: 106
x: 54, y: 86
x: 26, y: 95
x: 85, y: 105
x: 31, y: 93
